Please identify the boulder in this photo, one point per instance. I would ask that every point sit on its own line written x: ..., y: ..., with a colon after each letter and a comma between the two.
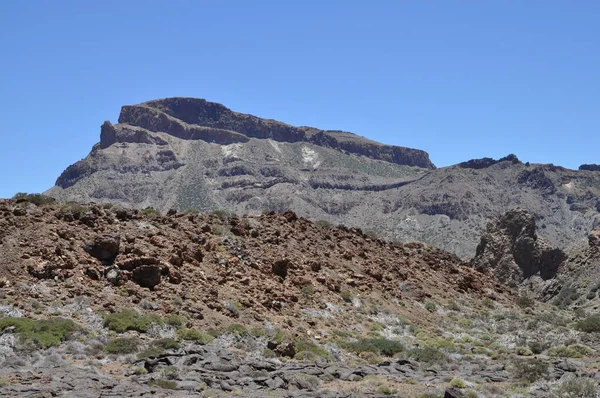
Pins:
x: 147, y: 275
x: 104, y: 247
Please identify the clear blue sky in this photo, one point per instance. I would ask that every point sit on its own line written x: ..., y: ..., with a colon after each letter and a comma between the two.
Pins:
x: 459, y: 79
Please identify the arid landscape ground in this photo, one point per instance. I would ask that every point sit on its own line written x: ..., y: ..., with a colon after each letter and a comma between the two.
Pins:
x: 201, y: 252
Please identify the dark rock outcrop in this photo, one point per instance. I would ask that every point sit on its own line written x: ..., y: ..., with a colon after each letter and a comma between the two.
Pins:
x: 590, y: 167
x: 511, y: 250
x: 484, y: 163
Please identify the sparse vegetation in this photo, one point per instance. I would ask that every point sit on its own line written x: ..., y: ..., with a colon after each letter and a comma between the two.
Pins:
x: 37, y: 199
x: 122, y: 345
x: 458, y: 383
x: 43, y: 333
x: 525, y: 301
x: 590, y: 324
x: 195, y: 335
x: 529, y: 369
x: 430, y: 306
x: 166, y: 384
x: 125, y: 320
x: 575, y: 387
x: 376, y: 345
x: 427, y: 355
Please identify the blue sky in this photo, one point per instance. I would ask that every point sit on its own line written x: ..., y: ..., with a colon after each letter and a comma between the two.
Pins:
x: 459, y: 79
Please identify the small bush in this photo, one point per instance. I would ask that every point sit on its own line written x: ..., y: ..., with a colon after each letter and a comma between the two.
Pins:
x: 525, y: 301
x: 308, y: 290
x: 123, y: 345
x: 309, y: 346
x: 129, y: 320
x: 575, y: 387
x: 42, y: 332
x: 166, y: 343
x: 383, y: 389
x: 346, y: 296
x: 458, y: 383
x: 149, y: 212
x: 589, y: 324
x: 194, y: 335
x: 37, y: 199
x: 427, y: 355
x: 537, y: 347
x: 166, y: 384
x: 567, y: 295
x: 530, y: 369
x: 430, y: 306
x: 523, y: 351
x: 376, y: 345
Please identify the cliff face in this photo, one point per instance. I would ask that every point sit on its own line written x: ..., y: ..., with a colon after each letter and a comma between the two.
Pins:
x: 193, y: 119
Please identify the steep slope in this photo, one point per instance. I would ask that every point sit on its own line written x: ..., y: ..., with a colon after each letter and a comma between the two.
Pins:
x: 190, y: 154
x: 101, y: 300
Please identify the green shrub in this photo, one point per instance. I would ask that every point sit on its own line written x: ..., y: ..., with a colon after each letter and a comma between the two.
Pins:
x: 427, y: 354
x: 194, y: 335
x: 530, y: 369
x: 572, y: 351
x: 575, y: 387
x: 458, y: 383
x: 523, y: 351
x: 150, y: 212
x: 269, y: 353
x: 346, y: 296
x: 430, y: 306
x: 129, y: 320
x: 589, y: 324
x: 123, y: 345
x: 537, y: 347
x: 42, y: 332
x: 383, y: 389
x: 151, y: 352
x: 453, y: 306
x: 166, y: 343
x: 376, y: 345
x: 525, y: 301
x: 567, y: 295
x: 309, y: 346
x: 324, y: 224
x: 166, y: 384
x: 309, y: 290
x: 37, y: 199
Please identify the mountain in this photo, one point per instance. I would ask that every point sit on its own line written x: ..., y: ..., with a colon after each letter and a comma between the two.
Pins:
x: 191, y: 154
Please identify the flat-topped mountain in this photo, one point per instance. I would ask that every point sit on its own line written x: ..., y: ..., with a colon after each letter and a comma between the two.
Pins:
x: 191, y: 154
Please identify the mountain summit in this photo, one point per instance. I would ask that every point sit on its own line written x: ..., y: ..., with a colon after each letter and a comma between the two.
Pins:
x: 191, y: 154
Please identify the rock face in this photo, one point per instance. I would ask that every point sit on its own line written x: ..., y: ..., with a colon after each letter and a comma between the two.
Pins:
x: 190, y: 154
x: 511, y: 249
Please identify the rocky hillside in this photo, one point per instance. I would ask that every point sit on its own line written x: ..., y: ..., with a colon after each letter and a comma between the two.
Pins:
x: 101, y: 300
x: 190, y: 154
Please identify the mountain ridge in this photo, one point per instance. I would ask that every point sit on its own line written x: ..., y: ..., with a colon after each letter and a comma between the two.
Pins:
x: 191, y: 154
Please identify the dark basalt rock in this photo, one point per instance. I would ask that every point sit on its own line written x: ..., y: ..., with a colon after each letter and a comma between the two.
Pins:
x: 484, y: 163
x: 590, y: 167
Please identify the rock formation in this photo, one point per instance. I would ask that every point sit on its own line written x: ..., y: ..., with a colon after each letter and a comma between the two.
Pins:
x: 513, y: 252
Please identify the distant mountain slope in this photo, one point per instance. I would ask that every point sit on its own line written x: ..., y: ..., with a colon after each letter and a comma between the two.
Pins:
x: 191, y: 154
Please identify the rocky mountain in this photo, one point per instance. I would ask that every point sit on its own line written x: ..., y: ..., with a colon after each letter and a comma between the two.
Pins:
x: 190, y: 154
x: 106, y: 301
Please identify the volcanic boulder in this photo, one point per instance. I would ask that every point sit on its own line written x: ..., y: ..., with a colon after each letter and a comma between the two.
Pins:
x: 104, y: 247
